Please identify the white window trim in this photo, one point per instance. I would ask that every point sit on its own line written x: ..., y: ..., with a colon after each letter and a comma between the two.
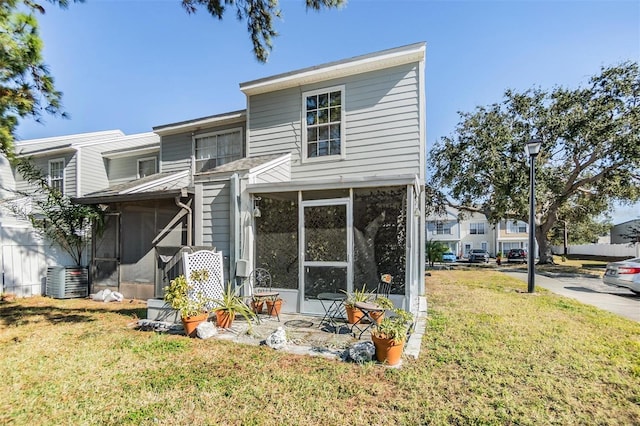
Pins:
x: 64, y: 172
x: 155, y: 163
x: 477, y: 224
x: 216, y: 133
x: 343, y: 122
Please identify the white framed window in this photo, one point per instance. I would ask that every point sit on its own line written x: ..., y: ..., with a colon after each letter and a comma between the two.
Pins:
x: 211, y: 150
x: 147, y: 166
x: 323, y: 124
x: 476, y: 228
x: 484, y: 246
x: 516, y: 227
x: 56, y: 174
x: 442, y: 228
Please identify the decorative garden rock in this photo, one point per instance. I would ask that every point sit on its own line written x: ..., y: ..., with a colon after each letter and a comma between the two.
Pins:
x: 362, y: 352
x: 206, y: 330
x: 277, y: 339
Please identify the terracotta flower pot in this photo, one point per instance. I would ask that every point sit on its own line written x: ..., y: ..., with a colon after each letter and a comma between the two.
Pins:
x: 274, y: 307
x: 377, y: 316
x: 257, y: 305
x: 353, y: 314
x: 387, y: 351
x: 191, y: 323
x: 224, y: 319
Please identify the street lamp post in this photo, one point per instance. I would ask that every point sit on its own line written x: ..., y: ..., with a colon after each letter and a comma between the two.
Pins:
x: 532, y: 149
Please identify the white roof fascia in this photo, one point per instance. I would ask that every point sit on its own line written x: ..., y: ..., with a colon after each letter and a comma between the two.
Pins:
x: 332, y: 183
x: 46, y: 152
x: 106, y: 134
x: 268, y: 165
x: 147, y: 185
x: 372, y: 62
x: 131, y: 152
x: 230, y: 118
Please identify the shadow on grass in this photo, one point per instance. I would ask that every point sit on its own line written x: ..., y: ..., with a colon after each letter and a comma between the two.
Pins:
x: 12, y: 314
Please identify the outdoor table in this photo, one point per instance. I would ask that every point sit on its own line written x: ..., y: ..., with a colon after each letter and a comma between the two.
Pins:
x: 333, y: 306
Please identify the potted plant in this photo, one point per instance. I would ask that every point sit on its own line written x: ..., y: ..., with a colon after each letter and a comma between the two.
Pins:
x: 499, y: 258
x: 274, y: 306
x: 383, y: 303
x: 354, y: 314
x: 229, y: 305
x: 192, y: 306
x: 390, y: 336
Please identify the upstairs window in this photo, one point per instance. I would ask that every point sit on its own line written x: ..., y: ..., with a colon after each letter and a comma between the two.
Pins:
x: 516, y: 227
x: 476, y: 228
x: 215, y: 149
x: 147, y: 167
x: 56, y: 174
x: 443, y: 228
x: 323, y: 129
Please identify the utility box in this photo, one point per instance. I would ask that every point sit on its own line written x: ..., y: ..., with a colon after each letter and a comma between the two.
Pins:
x: 67, y: 282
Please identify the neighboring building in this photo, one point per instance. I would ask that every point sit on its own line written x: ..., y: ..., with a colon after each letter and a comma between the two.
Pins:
x: 320, y: 180
x: 474, y: 231
x: 446, y: 228
x: 626, y: 232
x: 75, y: 165
x: 511, y: 234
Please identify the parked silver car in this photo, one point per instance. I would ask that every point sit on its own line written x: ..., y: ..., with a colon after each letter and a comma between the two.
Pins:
x: 478, y: 255
x: 625, y: 273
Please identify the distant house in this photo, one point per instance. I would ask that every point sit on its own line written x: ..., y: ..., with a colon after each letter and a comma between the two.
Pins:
x: 320, y: 180
x: 626, y: 232
x: 474, y: 231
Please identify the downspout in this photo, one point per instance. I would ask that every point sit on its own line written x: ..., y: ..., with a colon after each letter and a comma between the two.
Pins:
x: 235, y: 220
x: 189, y: 218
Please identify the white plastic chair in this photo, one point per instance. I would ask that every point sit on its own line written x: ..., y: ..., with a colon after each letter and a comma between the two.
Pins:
x: 210, y: 261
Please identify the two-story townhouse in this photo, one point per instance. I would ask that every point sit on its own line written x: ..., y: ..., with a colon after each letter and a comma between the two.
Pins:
x: 320, y: 180
x: 74, y: 164
x: 446, y: 229
x: 511, y: 234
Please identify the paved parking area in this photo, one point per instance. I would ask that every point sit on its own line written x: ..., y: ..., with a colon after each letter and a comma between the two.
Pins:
x: 591, y: 291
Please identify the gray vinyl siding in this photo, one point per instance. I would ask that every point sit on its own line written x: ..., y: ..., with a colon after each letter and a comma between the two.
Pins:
x: 43, y: 164
x: 382, y: 135
x: 177, y: 149
x: 125, y: 169
x: 215, y: 215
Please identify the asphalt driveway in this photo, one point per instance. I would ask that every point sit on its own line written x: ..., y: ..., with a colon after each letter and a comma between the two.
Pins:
x: 591, y: 291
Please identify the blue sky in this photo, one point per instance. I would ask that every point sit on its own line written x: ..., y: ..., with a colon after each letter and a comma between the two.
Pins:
x: 132, y: 65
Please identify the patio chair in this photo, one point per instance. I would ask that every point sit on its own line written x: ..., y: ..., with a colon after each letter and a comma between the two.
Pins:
x: 211, y: 261
x: 370, y: 309
x: 260, y: 290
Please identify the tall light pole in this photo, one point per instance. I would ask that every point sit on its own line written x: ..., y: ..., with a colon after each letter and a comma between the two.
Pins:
x: 532, y: 149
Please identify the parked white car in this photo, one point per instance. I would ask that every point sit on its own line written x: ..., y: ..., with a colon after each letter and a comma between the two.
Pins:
x: 625, y: 273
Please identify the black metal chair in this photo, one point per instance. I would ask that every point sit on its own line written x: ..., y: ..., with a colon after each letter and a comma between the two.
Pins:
x: 371, y: 310
x: 260, y: 290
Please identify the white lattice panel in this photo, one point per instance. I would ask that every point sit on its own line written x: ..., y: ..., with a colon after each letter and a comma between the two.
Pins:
x: 212, y: 263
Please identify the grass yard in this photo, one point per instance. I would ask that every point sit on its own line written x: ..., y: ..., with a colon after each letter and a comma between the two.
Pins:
x: 492, y: 354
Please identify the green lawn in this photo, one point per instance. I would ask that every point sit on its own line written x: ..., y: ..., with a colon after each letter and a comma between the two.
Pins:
x: 492, y: 354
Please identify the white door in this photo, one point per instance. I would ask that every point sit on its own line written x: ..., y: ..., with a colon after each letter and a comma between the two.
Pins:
x: 326, y: 250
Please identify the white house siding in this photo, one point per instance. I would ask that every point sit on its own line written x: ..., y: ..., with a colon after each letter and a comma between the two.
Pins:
x: 382, y: 125
x: 31, y: 145
x: 93, y: 171
x: 176, y: 151
x: 279, y: 173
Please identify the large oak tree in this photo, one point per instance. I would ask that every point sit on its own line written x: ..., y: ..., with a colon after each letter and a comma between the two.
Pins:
x: 590, y: 154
